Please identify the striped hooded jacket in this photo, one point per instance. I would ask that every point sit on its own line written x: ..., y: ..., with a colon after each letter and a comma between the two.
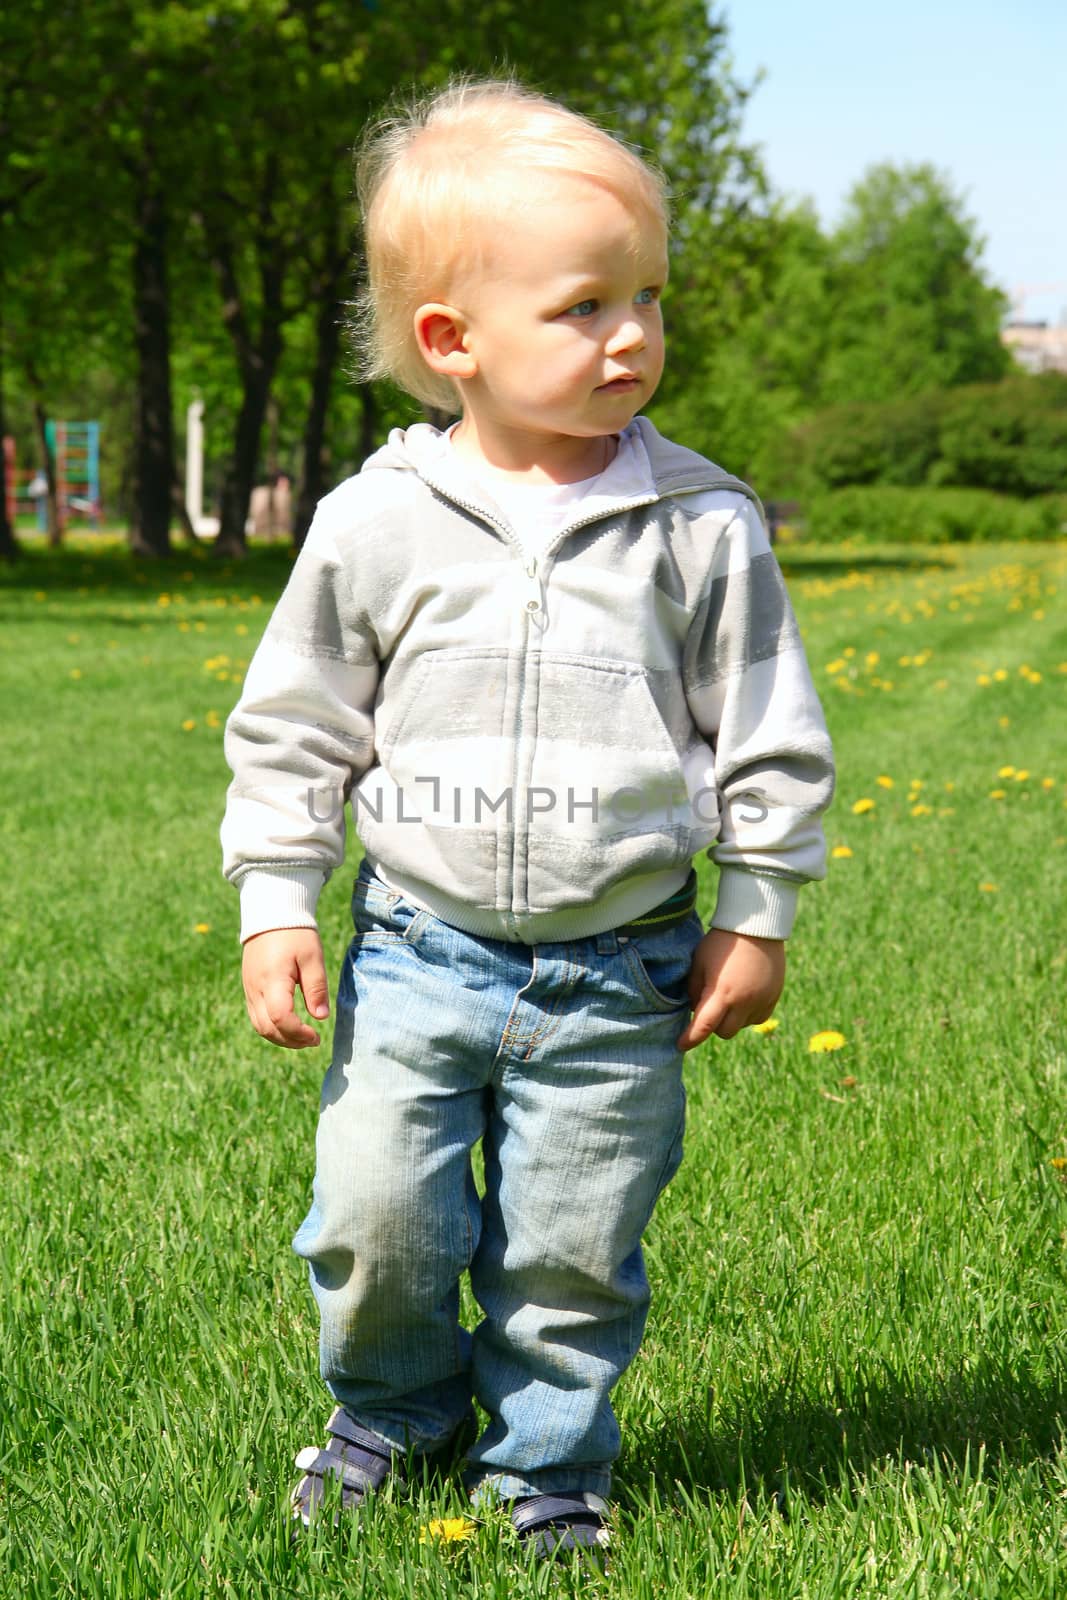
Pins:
x: 532, y: 750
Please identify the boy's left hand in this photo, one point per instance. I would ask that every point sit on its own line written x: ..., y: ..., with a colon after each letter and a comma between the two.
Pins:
x: 735, y: 980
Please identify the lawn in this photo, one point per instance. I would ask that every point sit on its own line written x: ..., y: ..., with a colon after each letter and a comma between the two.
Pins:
x: 854, y: 1375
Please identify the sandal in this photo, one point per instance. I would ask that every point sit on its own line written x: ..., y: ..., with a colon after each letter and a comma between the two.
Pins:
x: 362, y: 1462
x: 556, y: 1524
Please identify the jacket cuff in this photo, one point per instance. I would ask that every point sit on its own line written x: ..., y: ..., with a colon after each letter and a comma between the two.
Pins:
x: 755, y: 903
x: 281, y: 897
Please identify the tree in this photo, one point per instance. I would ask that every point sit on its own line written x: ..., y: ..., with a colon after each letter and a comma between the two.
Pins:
x: 911, y: 309
x: 747, y: 334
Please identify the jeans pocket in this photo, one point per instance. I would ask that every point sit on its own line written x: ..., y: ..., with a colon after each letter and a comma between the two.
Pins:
x: 380, y: 913
x: 660, y: 963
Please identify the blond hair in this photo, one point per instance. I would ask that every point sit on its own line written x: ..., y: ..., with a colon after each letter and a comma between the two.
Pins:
x: 435, y: 176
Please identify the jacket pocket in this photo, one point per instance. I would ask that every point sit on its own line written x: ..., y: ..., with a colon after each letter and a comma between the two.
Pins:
x: 608, y: 789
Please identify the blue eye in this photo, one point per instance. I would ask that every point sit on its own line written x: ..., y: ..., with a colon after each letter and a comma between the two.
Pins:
x: 584, y: 308
x: 646, y: 297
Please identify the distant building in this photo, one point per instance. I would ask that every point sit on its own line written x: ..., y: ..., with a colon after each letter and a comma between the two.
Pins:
x: 1037, y: 346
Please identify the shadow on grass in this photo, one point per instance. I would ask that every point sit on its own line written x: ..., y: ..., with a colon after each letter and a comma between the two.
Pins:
x: 792, y: 1443
x: 110, y: 567
x: 796, y: 564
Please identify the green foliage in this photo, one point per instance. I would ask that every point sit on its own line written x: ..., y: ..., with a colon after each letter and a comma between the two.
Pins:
x: 1009, y: 436
x: 910, y: 306
x: 880, y: 514
x: 746, y: 320
x: 243, y: 116
x: 895, y: 442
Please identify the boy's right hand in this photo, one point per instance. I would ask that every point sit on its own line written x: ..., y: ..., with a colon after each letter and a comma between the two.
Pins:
x: 273, y: 964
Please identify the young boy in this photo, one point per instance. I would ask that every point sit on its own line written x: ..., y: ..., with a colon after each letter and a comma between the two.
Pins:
x: 548, y: 656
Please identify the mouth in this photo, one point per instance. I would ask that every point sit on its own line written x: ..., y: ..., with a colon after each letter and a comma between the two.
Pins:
x: 619, y: 385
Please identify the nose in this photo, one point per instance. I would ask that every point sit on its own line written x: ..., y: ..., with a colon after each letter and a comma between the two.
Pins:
x: 629, y: 335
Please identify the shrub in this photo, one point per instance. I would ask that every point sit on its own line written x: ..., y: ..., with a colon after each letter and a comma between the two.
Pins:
x: 1010, y: 437
x: 884, y: 514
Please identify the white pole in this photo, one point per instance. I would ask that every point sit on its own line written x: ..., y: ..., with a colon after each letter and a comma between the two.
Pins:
x: 194, y: 463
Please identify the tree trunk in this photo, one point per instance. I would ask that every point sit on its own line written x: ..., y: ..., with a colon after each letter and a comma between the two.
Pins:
x: 40, y: 418
x: 155, y: 444
x: 181, y: 513
x: 9, y: 547
x: 241, y: 471
x: 327, y: 345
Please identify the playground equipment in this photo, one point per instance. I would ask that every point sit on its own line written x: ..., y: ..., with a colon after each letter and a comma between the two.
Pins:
x: 75, y: 450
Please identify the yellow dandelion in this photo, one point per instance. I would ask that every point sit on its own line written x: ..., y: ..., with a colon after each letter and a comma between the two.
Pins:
x: 984, y: 679
x: 242, y: 627
x: 1048, y: 783
x: 75, y: 672
x: 989, y: 888
x: 950, y: 786
x: 872, y: 658
x: 765, y: 1027
x: 1000, y: 674
x: 448, y: 1530
x: 837, y: 666
x: 828, y: 1039
x: 841, y: 852
x: 163, y: 600
x: 202, y: 927
x: 863, y: 806
x: 188, y: 725
x: 920, y: 811
x: 1022, y: 775
x: 1059, y: 1162
x: 883, y: 781
x: 997, y: 794
x: 1006, y: 772
x: 212, y: 719
x: 916, y: 784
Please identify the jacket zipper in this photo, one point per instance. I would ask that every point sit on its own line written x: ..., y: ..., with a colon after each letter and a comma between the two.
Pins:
x: 533, y: 602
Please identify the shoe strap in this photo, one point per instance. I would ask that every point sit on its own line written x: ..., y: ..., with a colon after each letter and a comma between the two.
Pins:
x: 546, y: 1510
x: 342, y: 1426
x: 357, y: 1469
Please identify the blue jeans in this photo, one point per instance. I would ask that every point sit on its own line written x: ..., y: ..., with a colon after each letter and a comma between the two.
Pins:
x: 561, y: 1059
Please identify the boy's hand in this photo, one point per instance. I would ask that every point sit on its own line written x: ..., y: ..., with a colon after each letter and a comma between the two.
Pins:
x: 735, y: 980
x: 272, y: 966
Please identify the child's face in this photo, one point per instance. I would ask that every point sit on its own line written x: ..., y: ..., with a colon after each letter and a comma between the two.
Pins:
x: 564, y: 321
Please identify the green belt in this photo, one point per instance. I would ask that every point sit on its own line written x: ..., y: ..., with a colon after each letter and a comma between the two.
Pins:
x: 667, y: 914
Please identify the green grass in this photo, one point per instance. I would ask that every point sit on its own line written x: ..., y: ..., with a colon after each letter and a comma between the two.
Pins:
x: 854, y: 1378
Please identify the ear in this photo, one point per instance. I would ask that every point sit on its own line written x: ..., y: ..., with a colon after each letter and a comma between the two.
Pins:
x: 441, y: 333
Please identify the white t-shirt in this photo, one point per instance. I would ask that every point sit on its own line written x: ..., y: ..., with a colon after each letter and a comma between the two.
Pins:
x: 537, y: 511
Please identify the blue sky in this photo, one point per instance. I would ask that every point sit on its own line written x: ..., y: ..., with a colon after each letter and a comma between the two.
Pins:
x: 979, y: 90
